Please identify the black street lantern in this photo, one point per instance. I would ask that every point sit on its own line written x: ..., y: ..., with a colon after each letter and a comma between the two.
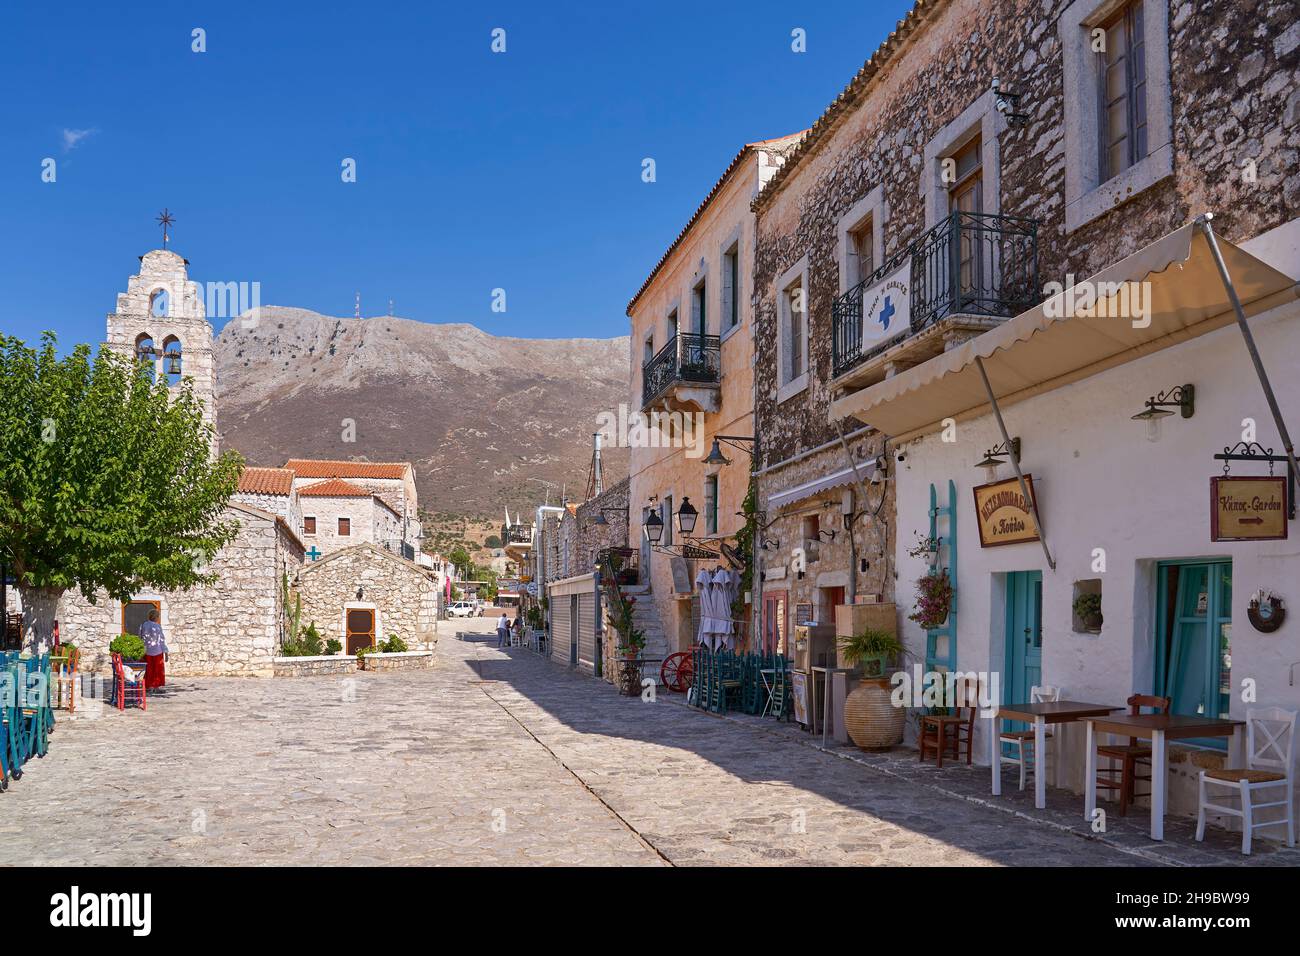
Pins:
x: 686, y: 516
x: 654, y: 527
x: 716, y: 458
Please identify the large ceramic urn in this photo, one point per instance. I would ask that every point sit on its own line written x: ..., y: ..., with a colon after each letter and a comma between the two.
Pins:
x: 871, y: 721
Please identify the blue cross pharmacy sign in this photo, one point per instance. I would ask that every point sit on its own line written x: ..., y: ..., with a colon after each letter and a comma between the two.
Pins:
x: 886, y: 306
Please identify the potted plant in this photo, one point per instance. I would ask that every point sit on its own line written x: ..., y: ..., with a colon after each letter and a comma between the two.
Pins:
x: 362, y: 652
x: 630, y: 641
x: 1087, y: 608
x: 874, y: 649
x: 130, y: 646
x: 925, y: 547
x: 333, y: 646
x: 870, y: 718
x: 933, y: 599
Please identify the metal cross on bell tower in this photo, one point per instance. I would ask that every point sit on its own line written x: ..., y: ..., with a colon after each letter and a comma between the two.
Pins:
x: 165, y: 219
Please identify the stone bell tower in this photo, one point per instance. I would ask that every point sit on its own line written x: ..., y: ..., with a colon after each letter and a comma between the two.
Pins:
x: 161, y: 319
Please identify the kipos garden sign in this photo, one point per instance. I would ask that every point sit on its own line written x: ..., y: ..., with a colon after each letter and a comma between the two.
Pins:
x: 1248, y: 509
x: 1003, y: 514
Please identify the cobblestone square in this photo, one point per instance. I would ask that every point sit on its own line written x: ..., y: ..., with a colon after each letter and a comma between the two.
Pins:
x: 498, y: 757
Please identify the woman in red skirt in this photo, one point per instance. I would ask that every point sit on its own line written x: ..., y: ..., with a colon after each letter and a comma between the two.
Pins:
x: 155, y: 651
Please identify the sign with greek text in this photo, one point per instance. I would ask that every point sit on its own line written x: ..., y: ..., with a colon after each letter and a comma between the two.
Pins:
x: 886, y: 306
x: 1248, y: 509
x: 1003, y: 515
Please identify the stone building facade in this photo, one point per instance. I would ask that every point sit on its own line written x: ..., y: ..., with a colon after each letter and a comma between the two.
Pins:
x: 364, y: 594
x: 964, y: 176
x: 391, y: 481
x: 161, y: 319
x: 582, y: 537
x: 231, y: 627
x: 878, y: 173
x: 692, y: 339
x: 338, y: 514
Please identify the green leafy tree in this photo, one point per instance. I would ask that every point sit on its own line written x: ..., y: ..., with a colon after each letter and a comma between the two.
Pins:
x: 460, y: 559
x: 492, y: 541
x: 106, y: 479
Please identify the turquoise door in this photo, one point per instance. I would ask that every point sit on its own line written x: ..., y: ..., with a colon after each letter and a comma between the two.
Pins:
x: 1024, y: 639
x: 1194, y: 638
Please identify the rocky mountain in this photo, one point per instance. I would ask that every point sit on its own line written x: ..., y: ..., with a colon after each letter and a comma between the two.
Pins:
x: 478, y: 415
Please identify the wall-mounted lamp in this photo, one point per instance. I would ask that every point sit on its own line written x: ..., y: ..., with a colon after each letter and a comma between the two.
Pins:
x: 600, y: 518
x: 361, y: 593
x: 1006, y: 104
x: 653, y: 527
x: 1182, y: 397
x: 715, y: 457
x: 998, y: 455
x: 686, y: 516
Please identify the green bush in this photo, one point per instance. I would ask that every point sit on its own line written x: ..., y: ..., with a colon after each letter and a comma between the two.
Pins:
x: 394, y: 645
x: 130, y: 646
x: 332, y: 647
x: 311, y: 641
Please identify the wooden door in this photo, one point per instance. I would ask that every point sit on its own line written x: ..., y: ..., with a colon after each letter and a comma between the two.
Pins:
x: 361, y: 628
x: 1024, y: 639
x: 774, y: 622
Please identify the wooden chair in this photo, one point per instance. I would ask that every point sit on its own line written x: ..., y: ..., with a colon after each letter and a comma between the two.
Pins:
x: 1022, y: 741
x: 124, y: 688
x: 958, y: 726
x: 1270, y: 755
x: 1122, y: 774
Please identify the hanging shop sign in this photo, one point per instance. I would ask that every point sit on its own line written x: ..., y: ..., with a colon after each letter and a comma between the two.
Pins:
x: 1003, y: 514
x: 1248, y: 509
x: 886, y: 306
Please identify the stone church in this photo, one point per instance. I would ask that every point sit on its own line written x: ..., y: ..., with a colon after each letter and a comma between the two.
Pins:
x: 344, y: 536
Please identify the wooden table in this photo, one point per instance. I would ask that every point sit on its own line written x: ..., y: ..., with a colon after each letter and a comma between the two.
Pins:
x: 1040, y: 714
x: 1159, y: 729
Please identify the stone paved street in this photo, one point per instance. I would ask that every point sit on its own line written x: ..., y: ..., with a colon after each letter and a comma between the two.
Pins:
x: 493, y: 757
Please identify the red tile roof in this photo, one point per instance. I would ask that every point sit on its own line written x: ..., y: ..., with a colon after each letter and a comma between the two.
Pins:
x: 322, y: 468
x: 333, y: 488
x: 265, y: 481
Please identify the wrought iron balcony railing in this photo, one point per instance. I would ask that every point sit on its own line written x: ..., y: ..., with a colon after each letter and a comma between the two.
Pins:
x: 687, y: 358
x: 520, y: 534
x: 970, y: 263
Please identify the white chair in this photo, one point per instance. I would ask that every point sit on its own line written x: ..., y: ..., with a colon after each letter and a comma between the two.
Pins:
x: 1023, y: 740
x: 1270, y: 750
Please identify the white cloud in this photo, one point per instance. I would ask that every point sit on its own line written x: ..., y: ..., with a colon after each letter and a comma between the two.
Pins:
x: 72, y: 138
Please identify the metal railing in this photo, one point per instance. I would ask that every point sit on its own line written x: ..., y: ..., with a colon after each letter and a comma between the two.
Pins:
x: 970, y: 263
x: 520, y: 534
x: 688, y: 357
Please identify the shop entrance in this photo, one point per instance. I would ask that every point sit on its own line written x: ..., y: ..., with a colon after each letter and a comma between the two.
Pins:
x: 1024, y: 640
x: 1194, y: 637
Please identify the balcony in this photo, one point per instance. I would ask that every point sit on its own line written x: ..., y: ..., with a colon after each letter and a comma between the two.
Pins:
x: 686, y: 374
x: 958, y: 279
x: 517, y: 541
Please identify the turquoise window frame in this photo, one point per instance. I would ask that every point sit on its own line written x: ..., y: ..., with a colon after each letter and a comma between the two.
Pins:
x: 1218, y: 612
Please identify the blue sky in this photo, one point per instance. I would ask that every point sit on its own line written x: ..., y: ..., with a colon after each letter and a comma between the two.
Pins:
x: 475, y: 170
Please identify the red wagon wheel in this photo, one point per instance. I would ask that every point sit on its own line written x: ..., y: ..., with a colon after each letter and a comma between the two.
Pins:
x: 677, y: 671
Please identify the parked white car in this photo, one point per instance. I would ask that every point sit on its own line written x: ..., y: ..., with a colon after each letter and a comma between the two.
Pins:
x: 461, y: 609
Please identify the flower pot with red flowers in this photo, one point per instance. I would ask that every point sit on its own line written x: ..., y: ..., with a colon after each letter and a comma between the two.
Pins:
x: 934, y: 593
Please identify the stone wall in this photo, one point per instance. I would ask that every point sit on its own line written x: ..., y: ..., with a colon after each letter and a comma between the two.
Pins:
x: 404, y: 595
x: 828, y: 563
x: 580, y: 540
x: 370, y: 522
x: 164, y: 271
x: 229, y: 628
x: 326, y: 665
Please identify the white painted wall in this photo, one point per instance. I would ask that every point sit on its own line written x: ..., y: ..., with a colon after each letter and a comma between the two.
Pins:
x: 1101, y: 484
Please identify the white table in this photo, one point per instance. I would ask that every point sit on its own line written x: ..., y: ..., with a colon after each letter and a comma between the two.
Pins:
x: 1159, y: 729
